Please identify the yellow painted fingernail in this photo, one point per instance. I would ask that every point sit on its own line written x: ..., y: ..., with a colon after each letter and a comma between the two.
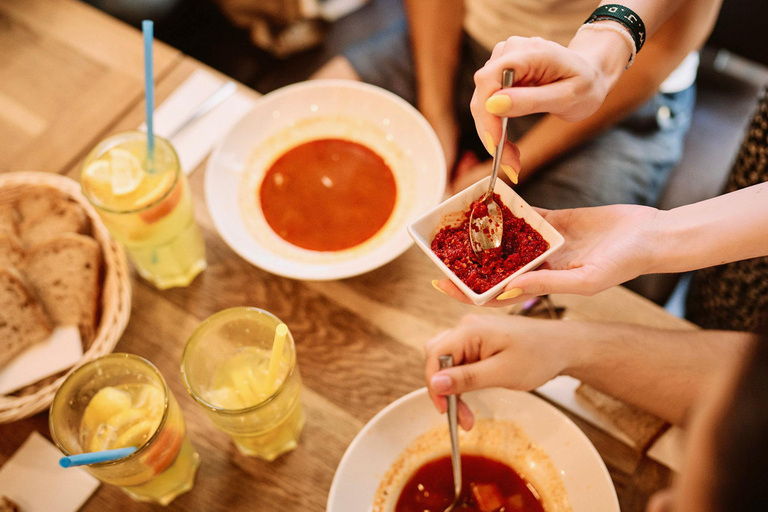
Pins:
x: 511, y: 294
x: 489, y: 145
x: 498, y: 104
x: 436, y: 287
x: 509, y: 171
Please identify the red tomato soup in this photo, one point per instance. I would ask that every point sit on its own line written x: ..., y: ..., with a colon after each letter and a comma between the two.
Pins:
x: 520, y: 244
x: 488, y: 486
x: 328, y: 195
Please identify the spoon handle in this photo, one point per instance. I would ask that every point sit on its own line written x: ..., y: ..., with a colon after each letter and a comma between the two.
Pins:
x: 507, y: 78
x: 447, y: 362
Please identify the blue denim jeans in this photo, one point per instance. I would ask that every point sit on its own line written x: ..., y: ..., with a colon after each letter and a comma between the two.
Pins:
x: 628, y: 163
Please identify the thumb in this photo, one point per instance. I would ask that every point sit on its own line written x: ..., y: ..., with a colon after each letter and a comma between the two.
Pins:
x: 579, y: 281
x: 468, y: 377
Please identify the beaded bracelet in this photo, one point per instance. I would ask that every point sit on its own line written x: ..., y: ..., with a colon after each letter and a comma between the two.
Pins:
x: 612, y: 27
x: 626, y: 17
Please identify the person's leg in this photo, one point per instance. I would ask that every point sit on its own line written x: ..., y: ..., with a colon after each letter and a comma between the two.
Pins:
x: 337, y: 67
x: 384, y: 60
x: 627, y: 164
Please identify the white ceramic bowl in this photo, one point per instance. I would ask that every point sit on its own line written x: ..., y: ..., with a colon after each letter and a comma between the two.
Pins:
x: 381, y: 441
x: 314, y: 110
x: 424, y: 229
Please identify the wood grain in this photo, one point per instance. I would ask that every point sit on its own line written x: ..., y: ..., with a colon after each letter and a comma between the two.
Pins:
x: 68, y: 72
x: 359, y: 340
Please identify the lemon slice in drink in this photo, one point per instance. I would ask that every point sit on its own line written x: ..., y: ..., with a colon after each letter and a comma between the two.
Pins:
x: 105, y: 403
x: 137, y: 434
x: 98, y: 170
x: 127, y: 173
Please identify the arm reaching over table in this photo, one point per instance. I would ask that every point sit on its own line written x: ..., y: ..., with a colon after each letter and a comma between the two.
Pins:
x: 610, y: 245
x: 661, y: 371
x: 572, y: 84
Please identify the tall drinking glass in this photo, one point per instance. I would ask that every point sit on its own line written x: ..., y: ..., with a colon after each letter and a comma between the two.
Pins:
x: 225, y: 367
x: 118, y: 401
x: 147, y: 206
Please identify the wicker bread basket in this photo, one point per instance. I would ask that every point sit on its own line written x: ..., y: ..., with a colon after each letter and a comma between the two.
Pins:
x: 115, y: 294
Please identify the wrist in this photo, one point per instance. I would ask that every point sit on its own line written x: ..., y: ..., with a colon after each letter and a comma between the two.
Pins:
x: 659, y: 239
x: 574, y: 347
x: 607, y: 52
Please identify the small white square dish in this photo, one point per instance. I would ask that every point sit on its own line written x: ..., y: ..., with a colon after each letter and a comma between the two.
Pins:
x: 449, y: 212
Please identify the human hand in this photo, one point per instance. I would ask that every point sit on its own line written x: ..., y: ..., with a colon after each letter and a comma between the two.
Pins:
x: 570, y: 83
x: 604, y: 246
x: 494, y: 351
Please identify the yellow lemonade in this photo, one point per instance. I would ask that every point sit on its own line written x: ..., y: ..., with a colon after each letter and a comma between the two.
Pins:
x: 225, y: 367
x: 242, y: 382
x: 121, y: 401
x: 147, y: 206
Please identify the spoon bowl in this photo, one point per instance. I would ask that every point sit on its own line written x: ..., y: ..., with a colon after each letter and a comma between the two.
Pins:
x: 486, y: 224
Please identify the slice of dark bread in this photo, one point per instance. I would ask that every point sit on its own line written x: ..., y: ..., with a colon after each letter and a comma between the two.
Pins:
x: 11, y: 251
x: 9, y: 219
x: 47, y: 215
x: 65, y: 274
x: 22, y: 321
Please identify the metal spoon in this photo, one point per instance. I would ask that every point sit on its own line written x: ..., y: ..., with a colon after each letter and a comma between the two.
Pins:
x: 486, y: 225
x: 447, y: 362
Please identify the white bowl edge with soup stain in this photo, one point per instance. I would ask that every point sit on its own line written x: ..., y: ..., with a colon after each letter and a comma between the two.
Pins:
x: 314, y: 110
x: 378, y: 445
x: 424, y: 229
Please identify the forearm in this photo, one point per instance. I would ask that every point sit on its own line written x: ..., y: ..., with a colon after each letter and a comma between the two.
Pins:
x: 660, y: 371
x: 727, y: 228
x: 684, y: 32
x: 436, y: 31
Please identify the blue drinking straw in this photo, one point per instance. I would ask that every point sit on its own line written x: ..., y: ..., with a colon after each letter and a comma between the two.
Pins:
x: 147, y: 27
x: 85, y: 459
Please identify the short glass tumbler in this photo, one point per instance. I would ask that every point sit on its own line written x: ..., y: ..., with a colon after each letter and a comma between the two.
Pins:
x: 225, y: 366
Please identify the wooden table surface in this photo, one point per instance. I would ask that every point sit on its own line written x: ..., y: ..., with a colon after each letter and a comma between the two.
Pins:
x: 71, y: 76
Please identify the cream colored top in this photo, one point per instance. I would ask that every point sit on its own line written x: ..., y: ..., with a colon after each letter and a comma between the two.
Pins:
x: 491, y: 21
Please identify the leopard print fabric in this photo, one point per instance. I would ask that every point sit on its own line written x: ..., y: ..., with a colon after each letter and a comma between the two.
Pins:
x: 734, y: 296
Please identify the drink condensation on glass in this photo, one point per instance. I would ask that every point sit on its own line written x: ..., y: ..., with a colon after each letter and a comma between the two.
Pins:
x: 146, y: 206
x: 225, y: 367
x: 118, y: 401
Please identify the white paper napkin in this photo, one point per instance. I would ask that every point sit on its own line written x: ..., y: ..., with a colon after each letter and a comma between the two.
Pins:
x: 666, y: 450
x: 195, y: 141
x: 33, y: 479
x: 59, y: 352
x: 562, y: 391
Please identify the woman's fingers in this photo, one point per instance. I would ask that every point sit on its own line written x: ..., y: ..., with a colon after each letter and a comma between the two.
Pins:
x: 579, y: 280
x: 548, y: 78
x: 482, y: 374
x: 466, y: 418
x: 450, y: 289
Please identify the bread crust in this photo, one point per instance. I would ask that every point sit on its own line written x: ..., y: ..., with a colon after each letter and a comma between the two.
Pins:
x: 66, y: 272
x: 23, y: 322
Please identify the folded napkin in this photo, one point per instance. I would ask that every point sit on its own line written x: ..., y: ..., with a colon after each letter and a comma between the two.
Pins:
x: 34, y: 480
x: 562, y: 391
x: 669, y: 448
x: 666, y: 449
x: 195, y: 141
x: 59, y: 352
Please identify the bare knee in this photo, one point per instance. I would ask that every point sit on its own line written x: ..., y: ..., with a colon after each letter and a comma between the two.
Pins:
x: 337, y: 67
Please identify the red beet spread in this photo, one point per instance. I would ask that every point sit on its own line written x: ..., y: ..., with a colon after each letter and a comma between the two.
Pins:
x: 520, y: 244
